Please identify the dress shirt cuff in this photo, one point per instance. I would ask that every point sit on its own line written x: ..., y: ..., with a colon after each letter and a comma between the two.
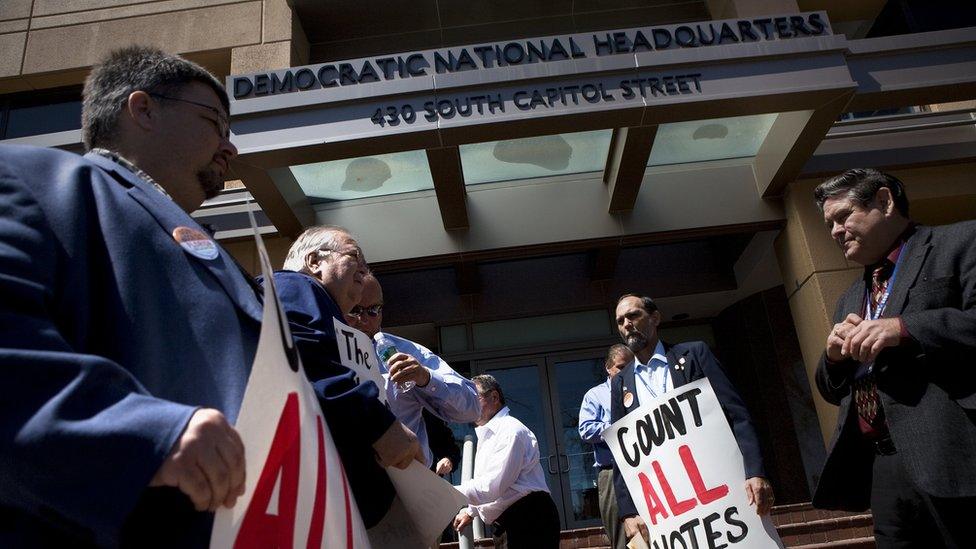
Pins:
x: 470, y: 510
x: 436, y: 385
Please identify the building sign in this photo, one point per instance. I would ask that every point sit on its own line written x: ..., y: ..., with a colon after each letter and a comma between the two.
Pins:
x: 530, y: 51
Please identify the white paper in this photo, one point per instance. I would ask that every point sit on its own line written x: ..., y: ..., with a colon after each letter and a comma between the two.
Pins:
x: 277, y: 383
x: 430, y: 500
x: 697, y: 442
x: 357, y: 353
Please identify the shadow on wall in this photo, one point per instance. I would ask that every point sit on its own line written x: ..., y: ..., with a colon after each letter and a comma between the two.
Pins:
x: 366, y: 174
x: 550, y: 152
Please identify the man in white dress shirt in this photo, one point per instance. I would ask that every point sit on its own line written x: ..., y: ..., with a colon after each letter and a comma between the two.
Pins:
x: 442, y: 391
x: 508, y: 490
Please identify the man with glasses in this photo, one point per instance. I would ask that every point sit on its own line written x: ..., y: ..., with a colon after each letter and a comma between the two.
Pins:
x: 321, y: 281
x: 126, y: 333
x: 437, y: 387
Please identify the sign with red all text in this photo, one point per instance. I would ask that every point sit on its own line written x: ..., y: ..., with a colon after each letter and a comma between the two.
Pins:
x: 685, y: 473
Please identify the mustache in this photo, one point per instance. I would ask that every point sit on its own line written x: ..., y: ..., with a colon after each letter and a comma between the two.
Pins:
x: 635, y: 341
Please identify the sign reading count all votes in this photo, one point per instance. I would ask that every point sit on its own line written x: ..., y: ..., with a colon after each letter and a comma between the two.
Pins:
x: 296, y: 494
x: 685, y: 473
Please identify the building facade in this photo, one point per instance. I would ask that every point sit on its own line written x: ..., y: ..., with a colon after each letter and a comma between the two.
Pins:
x: 511, y: 168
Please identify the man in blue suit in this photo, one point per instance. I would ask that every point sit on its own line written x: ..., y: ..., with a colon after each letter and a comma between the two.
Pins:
x: 659, y: 367
x: 126, y: 332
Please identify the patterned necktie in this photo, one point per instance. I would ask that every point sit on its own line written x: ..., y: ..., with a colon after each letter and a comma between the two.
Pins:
x: 866, y: 389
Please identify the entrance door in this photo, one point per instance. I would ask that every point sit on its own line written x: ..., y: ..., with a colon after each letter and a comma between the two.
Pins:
x: 545, y: 392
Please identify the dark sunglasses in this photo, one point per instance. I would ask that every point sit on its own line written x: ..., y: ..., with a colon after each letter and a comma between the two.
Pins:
x: 373, y: 310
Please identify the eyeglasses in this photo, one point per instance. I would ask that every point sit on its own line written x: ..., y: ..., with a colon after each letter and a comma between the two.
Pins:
x: 355, y: 253
x: 221, y: 124
x: 372, y: 310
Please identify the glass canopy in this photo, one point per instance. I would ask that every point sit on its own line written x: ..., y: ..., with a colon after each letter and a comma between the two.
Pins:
x: 530, y: 157
x: 711, y: 139
x: 362, y: 177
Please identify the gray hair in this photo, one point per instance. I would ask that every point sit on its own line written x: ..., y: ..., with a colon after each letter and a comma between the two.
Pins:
x: 489, y: 383
x: 320, y: 237
x: 131, y: 69
x: 646, y: 302
x: 861, y: 185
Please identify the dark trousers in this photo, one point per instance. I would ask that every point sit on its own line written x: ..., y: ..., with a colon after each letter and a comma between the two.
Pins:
x: 529, y: 523
x: 906, y: 517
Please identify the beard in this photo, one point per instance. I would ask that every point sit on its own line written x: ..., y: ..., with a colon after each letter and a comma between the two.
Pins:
x: 635, y: 341
x: 210, y: 182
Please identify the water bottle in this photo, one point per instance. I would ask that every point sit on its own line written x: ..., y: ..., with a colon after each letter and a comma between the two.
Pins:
x: 385, y: 349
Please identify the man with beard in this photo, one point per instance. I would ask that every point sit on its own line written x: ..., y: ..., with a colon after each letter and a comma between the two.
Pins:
x: 660, y: 367
x: 126, y: 333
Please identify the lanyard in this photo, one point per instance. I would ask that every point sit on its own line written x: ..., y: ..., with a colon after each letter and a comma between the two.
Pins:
x: 650, y: 372
x: 887, y: 292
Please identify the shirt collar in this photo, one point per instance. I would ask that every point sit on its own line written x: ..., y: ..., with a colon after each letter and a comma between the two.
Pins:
x: 657, y: 359
x: 122, y: 161
x: 892, y: 257
x: 492, y: 425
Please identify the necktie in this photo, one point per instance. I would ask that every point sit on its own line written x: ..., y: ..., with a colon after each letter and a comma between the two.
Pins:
x: 866, y: 389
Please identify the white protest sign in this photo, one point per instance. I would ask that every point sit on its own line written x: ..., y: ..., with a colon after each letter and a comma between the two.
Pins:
x: 685, y: 473
x: 357, y: 353
x: 430, y: 500
x: 296, y: 492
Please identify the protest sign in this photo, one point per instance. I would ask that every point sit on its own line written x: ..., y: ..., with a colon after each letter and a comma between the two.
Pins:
x: 357, y: 353
x: 296, y: 492
x: 685, y: 473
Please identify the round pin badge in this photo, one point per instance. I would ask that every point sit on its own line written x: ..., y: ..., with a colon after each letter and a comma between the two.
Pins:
x: 628, y: 399
x: 195, y: 242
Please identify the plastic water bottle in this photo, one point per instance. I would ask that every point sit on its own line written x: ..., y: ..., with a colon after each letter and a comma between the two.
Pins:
x: 385, y: 349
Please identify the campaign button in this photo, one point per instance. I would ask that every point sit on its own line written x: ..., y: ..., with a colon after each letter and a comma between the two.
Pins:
x: 196, y: 242
x: 628, y: 399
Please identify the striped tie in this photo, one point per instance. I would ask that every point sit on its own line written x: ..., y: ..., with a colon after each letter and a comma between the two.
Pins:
x: 866, y: 389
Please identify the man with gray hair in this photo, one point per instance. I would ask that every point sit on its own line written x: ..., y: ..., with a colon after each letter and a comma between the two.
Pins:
x: 323, y: 280
x: 898, y: 362
x: 126, y: 333
x: 508, y: 490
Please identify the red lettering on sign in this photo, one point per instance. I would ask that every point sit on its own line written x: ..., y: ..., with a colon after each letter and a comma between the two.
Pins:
x: 260, y: 530
x: 705, y: 495
x: 654, y: 505
x: 677, y: 507
x: 318, y: 509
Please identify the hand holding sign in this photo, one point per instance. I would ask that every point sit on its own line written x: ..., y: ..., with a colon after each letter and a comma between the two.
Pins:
x: 760, y: 493
x: 398, y: 447
x: 206, y: 463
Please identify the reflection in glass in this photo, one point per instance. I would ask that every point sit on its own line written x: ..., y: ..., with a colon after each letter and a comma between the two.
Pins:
x: 712, y: 139
x: 351, y: 178
x: 529, y: 157
x: 573, y: 379
x: 41, y: 119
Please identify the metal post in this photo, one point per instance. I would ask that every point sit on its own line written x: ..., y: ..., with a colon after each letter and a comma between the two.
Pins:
x: 467, y: 536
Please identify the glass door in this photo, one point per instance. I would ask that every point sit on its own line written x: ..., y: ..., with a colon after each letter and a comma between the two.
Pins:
x: 544, y: 393
x: 570, y: 377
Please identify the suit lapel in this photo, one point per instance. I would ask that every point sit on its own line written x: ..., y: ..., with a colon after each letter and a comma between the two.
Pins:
x: 170, y: 216
x: 913, y: 257
x: 630, y: 387
x: 677, y: 370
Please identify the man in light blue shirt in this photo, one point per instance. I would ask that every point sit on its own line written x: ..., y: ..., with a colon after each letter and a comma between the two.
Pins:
x: 444, y: 392
x: 594, y: 417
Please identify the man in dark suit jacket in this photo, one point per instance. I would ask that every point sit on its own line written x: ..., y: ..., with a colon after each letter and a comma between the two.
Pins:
x: 659, y: 367
x: 126, y: 333
x: 898, y: 362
